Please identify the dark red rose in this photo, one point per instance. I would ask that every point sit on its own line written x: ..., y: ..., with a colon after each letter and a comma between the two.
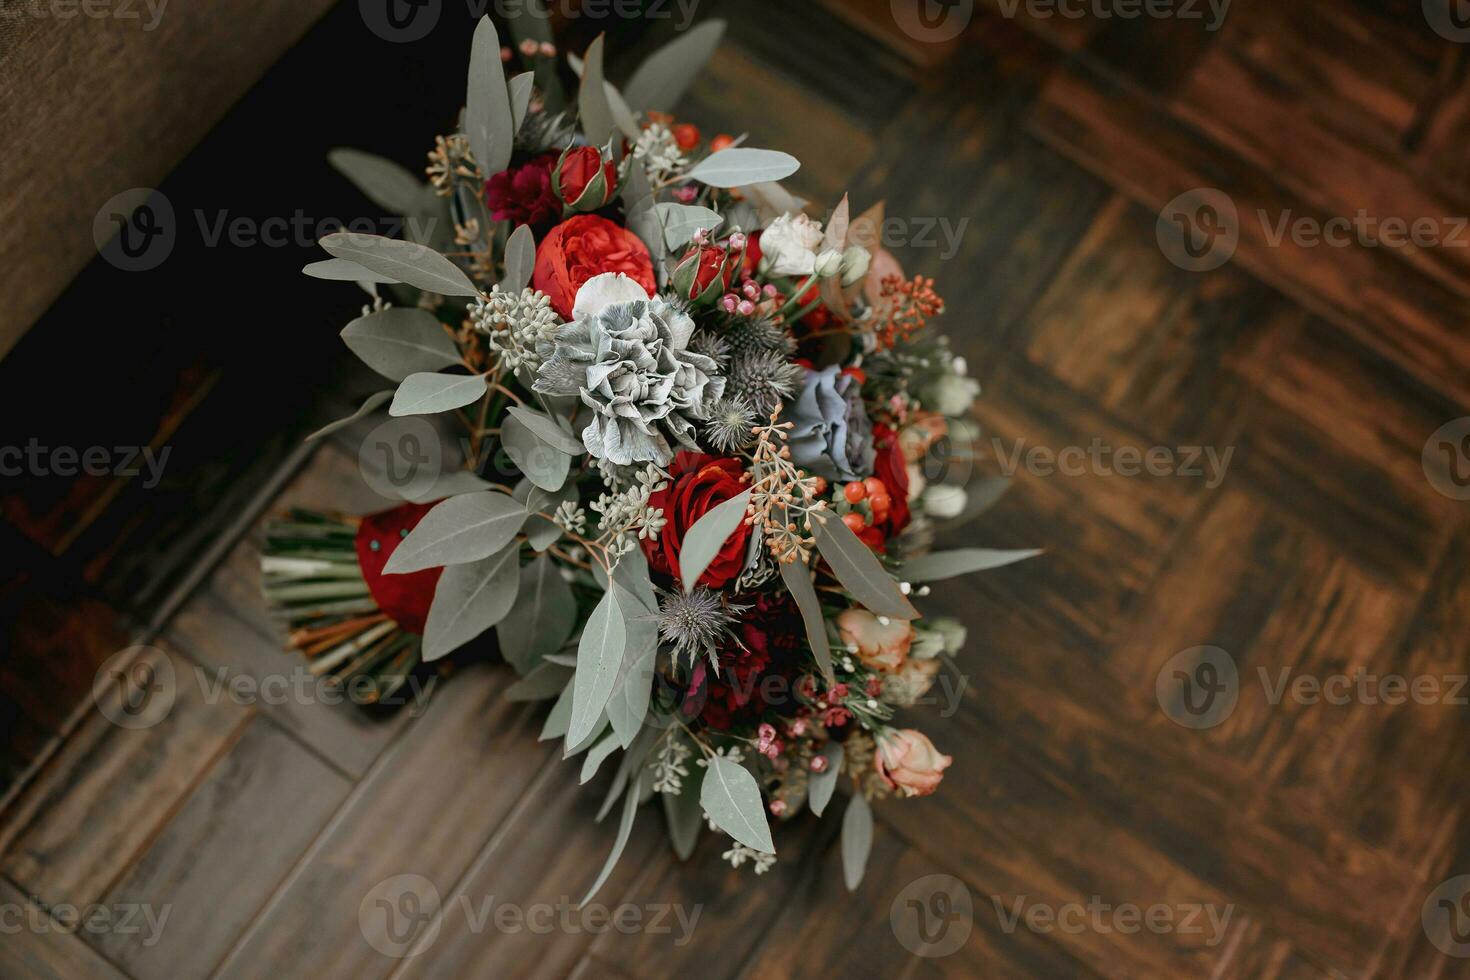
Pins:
x: 405, y: 598
x: 699, y: 482
x: 704, y: 272
x: 771, y: 640
x: 524, y: 195
x: 586, y: 246
x: 579, y: 168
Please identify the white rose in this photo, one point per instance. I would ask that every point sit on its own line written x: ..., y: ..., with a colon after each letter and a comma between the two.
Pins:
x: 917, y: 481
x: 944, y: 501
x: 789, y: 245
x: 951, y: 394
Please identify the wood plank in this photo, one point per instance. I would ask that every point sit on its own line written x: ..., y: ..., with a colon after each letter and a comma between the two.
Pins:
x: 45, y: 951
x: 218, y: 859
x: 110, y: 789
x: 425, y: 809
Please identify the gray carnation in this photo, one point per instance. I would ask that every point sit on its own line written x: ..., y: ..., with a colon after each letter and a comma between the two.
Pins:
x: 631, y: 365
x: 831, y: 435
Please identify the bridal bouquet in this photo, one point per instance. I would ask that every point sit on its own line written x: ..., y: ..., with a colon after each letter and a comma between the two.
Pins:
x: 695, y: 507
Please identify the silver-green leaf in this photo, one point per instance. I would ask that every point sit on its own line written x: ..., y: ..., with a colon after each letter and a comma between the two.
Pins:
x: 592, y: 101
x: 521, y: 87
x: 386, y: 184
x: 416, y: 265
x: 545, y: 466
x: 459, y: 530
x: 599, y: 656
x: 400, y: 341
x: 470, y: 599
x: 548, y: 429
x: 704, y: 540
x: 681, y: 221
x: 542, y: 684
x: 685, y: 816
x: 373, y: 401
x: 344, y: 270
x: 733, y: 801
x: 742, y: 165
x: 596, y: 756
x: 542, y: 618
x: 428, y: 393
x: 798, y: 579
x: 665, y: 75
x: 520, y: 259
x: 821, y: 784
x: 857, y: 840
x: 559, y: 717
x: 625, y: 828
x: 940, y: 565
x: 489, y: 124
x: 860, y: 571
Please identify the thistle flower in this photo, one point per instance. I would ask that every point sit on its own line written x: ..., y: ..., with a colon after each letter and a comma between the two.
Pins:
x: 731, y: 425
x: 695, y: 622
x: 757, y: 334
x: 711, y: 346
x: 763, y: 379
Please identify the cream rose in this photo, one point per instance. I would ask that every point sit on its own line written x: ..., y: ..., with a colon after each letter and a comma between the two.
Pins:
x: 909, y: 762
x: 879, y: 647
x: 789, y: 245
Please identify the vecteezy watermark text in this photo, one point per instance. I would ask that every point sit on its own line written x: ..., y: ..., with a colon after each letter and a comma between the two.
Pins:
x: 1215, y: 10
x: 1097, y: 916
x: 1100, y: 459
x: 34, y: 459
x: 90, y: 9
x: 96, y: 919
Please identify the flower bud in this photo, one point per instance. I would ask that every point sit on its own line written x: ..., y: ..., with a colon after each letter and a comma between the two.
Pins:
x: 829, y: 263
x: 583, y: 180
x: 855, y: 261
x: 952, y: 630
x: 703, y: 274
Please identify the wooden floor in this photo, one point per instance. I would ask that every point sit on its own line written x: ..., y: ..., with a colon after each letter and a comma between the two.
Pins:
x: 1292, y: 839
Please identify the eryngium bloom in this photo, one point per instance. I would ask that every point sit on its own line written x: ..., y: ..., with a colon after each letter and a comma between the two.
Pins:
x: 631, y: 365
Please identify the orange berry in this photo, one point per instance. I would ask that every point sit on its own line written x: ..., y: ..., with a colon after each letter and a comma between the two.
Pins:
x: 854, y: 521
x: 686, y: 135
x: 854, y: 492
x: 875, y: 486
x: 880, y: 501
x: 720, y: 142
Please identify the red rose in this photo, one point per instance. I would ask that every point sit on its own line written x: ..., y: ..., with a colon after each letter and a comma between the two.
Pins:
x: 699, y: 482
x: 586, y: 246
x: 579, y: 168
x: 703, y: 274
x: 523, y: 195
x: 405, y: 598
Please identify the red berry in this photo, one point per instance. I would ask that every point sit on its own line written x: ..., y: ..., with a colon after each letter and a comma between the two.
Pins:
x: 686, y: 135
x: 880, y: 502
x: 855, y: 492
x: 875, y: 486
x: 720, y: 142
x: 854, y: 521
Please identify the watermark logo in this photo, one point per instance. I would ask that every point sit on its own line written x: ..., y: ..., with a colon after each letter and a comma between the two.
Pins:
x: 143, y: 920
x: 399, y: 916
x: 34, y: 459
x: 1207, y: 463
x: 1199, y: 230
x: 135, y: 688
x: 932, y: 916
x: 120, y: 10
x: 932, y: 21
x: 1449, y: 18
x: 401, y: 21
x: 402, y: 458
x: 1446, y: 459
x: 1446, y: 916
x: 136, y: 230
x: 1216, y: 10
x: 1198, y: 687
x: 1098, y: 916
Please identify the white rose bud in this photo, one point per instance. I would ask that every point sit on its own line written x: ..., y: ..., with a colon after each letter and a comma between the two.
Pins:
x: 927, y: 644
x: 943, y: 501
x: 951, y: 394
x: 952, y: 630
x: 855, y: 262
x: 828, y: 264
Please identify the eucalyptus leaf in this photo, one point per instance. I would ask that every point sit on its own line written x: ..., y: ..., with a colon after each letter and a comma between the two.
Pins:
x: 741, y: 165
x: 625, y: 828
x: 939, y: 565
x: 462, y: 529
x: 592, y: 101
x: 559, y: 717
x: 798, y: 579
x: 417, y: 265
x: 631, y: 762
x: 489, y: 125
x: 857, y: 840
x: 450, y: 484
x: 520, y: 259
x: 521, y: 87
x: 703, y: 541
x: 541, y: 684
x: 599, y: 656
x: 627, y: 708
x: 547, y: 428
x: 373, y: 401
x: 681, y: 221
x: 344, y: 270
x: 733, y: 801
x: 665, y: 75
x: 386, y: 184
x: 596, y: 756
x: 400, y: 341
x: 427, y: 393
x: 542, y: 618
x: 821, y: 784
x: 545, y: 466
x: 470, y: 599
x: 860, y: 571
x: 541, y: 533
x: 685, y: 816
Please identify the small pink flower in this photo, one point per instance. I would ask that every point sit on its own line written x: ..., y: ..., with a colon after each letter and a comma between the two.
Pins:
x: 798, y: 727
x: 728, y: 302
x: 686, y: 193
x: 701, y: 236
x: 745, y: 307
x: 770, y: 290
x: 505, y: 54
x: 839, y: 691
x: 767, y: 743
x: 737, y: 241
x: 834, y: 717
x: 819, y: 763
x: 778, y: 808
x: 909, y: 762
x: 529, y: 48
x: 548, y: 49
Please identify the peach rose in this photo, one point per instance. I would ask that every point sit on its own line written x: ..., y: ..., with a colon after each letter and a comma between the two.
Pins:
x: 911, y: 682
x: 879, y: 647
x: 909, y: 762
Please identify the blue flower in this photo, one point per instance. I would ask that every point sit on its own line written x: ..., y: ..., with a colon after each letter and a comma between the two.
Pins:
x: 831, y: 435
